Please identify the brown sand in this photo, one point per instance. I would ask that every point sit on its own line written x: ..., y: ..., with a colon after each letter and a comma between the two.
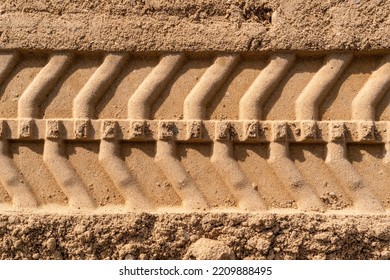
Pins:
x: 232, y: 25
x: 169, y: 236
x: 242, y: 130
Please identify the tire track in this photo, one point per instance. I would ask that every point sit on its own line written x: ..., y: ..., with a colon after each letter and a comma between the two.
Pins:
x: 193, y: 127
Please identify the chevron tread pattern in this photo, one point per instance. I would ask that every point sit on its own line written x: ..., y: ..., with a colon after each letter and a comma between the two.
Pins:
x: 194, y: 132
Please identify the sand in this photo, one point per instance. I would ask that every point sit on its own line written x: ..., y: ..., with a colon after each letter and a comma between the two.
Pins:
x: 234, y: 130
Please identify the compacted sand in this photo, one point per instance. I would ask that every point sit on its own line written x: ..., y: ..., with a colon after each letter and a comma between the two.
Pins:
x: 194, y: 129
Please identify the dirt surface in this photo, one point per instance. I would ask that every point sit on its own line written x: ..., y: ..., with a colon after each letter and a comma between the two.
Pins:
x: 209, y: 25
x: 176, y: 236
x: 219, y: 130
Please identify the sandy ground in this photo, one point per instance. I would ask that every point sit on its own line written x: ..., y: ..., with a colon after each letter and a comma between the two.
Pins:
x: 262, y: 127
x: 195, y: 25
x: 168, y: 236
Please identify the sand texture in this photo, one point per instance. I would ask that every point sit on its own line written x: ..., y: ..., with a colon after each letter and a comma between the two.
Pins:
x: 220, y: 130
x: 181, y: 25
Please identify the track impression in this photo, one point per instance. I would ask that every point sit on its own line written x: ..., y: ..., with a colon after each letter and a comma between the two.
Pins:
x: 193, y: 132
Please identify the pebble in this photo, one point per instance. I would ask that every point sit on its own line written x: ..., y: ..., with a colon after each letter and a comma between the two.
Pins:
x: 209, y: 249
x: 51, y: 244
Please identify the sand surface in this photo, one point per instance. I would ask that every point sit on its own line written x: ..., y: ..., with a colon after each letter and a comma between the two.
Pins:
x: 220, y: 130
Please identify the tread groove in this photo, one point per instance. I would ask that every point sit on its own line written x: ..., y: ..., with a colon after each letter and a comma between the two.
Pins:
x: 184, y: 185
x: 208, y: 85
x: 13, y: 182
x: 363, y: 106
x: 119, y: 173
x: 140, y: 102
x: 306, y: 106
x: 8, y: 62
x: 39, y: 88
x: 266, y: 82
x: 222, y: 159
x: 66, y: 176
x: 100, y: 81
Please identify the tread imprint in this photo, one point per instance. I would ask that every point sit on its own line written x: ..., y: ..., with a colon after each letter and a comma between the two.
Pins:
x: 193, y: 127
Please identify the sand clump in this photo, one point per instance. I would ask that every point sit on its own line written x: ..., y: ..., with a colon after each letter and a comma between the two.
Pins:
x: 208, y: 249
